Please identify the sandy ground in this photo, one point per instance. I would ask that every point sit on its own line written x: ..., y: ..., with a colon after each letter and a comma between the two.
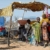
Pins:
x: 19, y: 45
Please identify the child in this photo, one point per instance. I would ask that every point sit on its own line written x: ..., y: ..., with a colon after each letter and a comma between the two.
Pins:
x: 36, y: 25
x: 28, y: 29
x: 32, y: 38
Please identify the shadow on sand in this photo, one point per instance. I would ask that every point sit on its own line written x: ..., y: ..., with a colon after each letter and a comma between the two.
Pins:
x: 7, y: 48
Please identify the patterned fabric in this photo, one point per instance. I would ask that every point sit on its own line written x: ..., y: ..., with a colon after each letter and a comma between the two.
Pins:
x: 36, y: 25
x: 45, y: 34
x: 43, y: 20
x: 32, y: 39
x: 44, y: 31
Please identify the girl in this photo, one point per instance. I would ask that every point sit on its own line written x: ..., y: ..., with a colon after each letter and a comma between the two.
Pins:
x: 36, y: 25
x: 32, y: 38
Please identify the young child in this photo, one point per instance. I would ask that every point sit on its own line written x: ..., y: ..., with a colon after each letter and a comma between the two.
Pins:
x: 32, y: 38
x: 28, y: 30
x: 36, y: 25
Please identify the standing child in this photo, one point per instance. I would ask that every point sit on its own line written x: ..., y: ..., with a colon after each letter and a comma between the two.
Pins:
x: 28, y: 29
x: 32, y: 38
x: 36, y: 25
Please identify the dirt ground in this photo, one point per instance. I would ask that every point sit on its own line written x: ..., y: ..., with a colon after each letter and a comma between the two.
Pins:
x: 26, y: 46
x: 19, y: 45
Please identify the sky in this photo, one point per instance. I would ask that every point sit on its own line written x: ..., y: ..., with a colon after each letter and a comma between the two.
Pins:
x: 19, y: 13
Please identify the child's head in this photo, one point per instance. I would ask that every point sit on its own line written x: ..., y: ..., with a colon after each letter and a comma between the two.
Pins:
x: 38, y: 19
x: 28, y: 21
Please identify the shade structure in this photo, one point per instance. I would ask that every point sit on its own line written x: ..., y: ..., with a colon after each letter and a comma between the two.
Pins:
x: 34, y: 6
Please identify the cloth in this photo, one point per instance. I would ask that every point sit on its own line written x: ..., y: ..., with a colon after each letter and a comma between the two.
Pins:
x: 6, y: 11
x: 32, y: 39
x: 45, y: 34
x: 36, y: 25
x: 27, y: 26
x: 43, y: 20
x: 22, y: 32
x: 44, y: 31
x: 28, y: 30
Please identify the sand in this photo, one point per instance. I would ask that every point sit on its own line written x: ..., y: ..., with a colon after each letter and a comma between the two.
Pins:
x: 19, y: 45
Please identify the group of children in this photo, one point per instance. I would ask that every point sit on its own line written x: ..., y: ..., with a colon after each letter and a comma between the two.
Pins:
x: 42, y: 30
x: 37, y: 32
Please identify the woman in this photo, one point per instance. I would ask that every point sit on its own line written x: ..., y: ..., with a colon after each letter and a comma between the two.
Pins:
x: 36, y: 25
x: 44, y: 19
x: 44, y: 29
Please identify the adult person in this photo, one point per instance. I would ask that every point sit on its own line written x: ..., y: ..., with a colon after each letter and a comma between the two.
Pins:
x: 36, y: 25
x: 44, y: 29
x: 44, y: 19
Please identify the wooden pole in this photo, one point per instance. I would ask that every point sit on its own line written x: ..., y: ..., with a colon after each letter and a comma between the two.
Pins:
x: 43, y: 11
x: 24, y: 13
x: 8, y: 39
x: 10, y: 28
x: 34, y: 0
x: 9, y: 31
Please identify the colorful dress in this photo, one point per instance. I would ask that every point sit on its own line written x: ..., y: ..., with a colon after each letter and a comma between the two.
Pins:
x: 44, y: 30
x: 43, y: 20
x: 36, y: 25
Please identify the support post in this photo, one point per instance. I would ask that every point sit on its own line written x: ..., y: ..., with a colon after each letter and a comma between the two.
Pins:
x: 23, y: 14
x: 9, y: 31
x: 34, y: 0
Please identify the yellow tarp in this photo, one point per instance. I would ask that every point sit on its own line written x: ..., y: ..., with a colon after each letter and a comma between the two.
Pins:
x: 6, y: 11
